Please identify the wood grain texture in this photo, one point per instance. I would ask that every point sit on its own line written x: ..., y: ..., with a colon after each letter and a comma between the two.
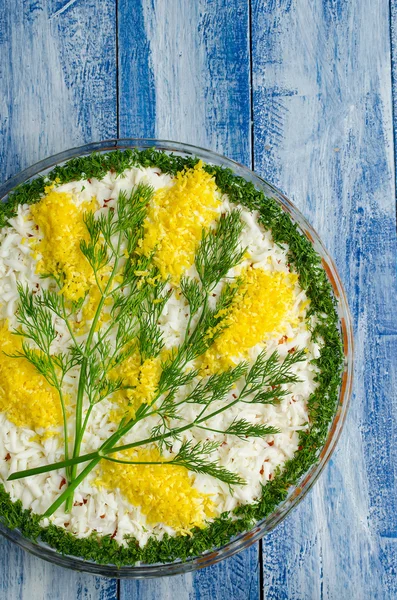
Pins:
x: 393, y: 48
x: 57, y: 90
x: 57, y: 76
x: 236, y: 578
x: 25, y: 577
x: 323, y: 133
x: 185, y: 75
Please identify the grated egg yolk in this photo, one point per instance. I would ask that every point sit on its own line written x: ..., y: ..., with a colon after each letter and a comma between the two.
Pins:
x: 92, y: 301
x: 259, y: 309
x: 143, y: 377
x: 164, y: 492
x: 25, y: 395
x: 61, y: 223
x: 175, y: 220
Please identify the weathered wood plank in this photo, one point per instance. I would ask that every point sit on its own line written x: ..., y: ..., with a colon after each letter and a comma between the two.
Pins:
x: 185, y: 75
x: 58, y: 90
x: 393, y: 43
x: 323, y: 133
x: 137, y: 103
x: 26, y: 577
x: 236, y: 578
x: 58, y: 78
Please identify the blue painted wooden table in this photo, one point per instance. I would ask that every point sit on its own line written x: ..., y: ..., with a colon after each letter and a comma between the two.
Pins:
x: 303, y: 91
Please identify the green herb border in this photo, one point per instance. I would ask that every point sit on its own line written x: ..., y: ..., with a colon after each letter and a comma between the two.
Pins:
x: 322, y: 403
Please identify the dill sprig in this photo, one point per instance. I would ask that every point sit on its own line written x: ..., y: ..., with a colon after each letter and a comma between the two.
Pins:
x: 243, y: 429
x: 219, y: 250
x: 193, y: 293
x: 107, y: 235
x: 217, y: 388
x: 36, y: 327
x: 267, y: 376
x: 150, y: 336
x: 193, y: 457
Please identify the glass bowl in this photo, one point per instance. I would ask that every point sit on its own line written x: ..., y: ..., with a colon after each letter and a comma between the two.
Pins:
x: 297, y: 492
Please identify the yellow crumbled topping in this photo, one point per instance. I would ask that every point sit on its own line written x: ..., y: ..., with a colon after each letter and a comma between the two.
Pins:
x: 143, y: 377
x: 92, y: 302
x: 260, y: 308
x: 61, y: 223
x: 175, y: 220
x: 25, y: 395
x: 164, y: 492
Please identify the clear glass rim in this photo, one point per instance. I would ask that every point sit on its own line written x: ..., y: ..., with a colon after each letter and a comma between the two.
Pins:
x: 299, y: 491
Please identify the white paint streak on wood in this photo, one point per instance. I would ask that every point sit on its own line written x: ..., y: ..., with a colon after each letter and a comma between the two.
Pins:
x: 178, y: 64
x: 36, y: 105
x: 62, y: 9
x: 323, y: 132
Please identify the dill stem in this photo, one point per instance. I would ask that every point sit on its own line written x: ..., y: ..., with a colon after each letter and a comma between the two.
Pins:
x: 138, y: 462
x: 210, y: 429
x: 188, y: 328
x: 53, y: 466
x: 66, y: 319
x: 109, y: 448
x: 79, y: 427
x: 79, y: 414
x: 58, y: 387
x: 203, y: 410
x: 87, y: 416
x: 144, y: 411
x: 65, y: 431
